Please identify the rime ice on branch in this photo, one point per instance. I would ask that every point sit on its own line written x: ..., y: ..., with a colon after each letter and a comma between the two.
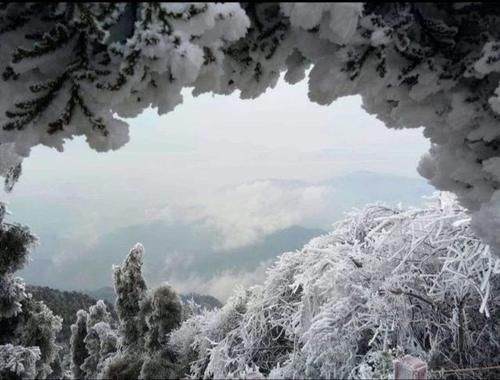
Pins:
x: 71, y: 69
x: 386, y: 282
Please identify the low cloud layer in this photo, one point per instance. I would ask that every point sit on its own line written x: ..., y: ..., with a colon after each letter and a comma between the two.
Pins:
x: 223, y: 284
x: 211, y: 242
x: 243, y: 214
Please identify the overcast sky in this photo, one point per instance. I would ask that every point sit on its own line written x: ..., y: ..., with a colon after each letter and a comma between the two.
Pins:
x: 211, y: 141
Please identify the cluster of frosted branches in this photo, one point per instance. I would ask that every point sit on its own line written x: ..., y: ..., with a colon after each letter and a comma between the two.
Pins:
x: 18, y: 361
x: 93, y: 340
x: 386, y: 282
x: 70, y: 69
x: 28, y: 328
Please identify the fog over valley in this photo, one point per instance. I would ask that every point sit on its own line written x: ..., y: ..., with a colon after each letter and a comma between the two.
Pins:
x: 223, y: 239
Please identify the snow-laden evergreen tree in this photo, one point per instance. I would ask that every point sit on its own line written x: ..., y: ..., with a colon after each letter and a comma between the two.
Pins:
x: 102, y: 343
x: 93, y: 341
x: 72, y: 69
x: 28, y: 328
x: 386, y: 282
x: 79, y: 350
x: 163, y: 312
x: 16, y: 242
x: 131, y: 292
x: 101, y: 340
x: 98, y: 313
x: 138, y: 347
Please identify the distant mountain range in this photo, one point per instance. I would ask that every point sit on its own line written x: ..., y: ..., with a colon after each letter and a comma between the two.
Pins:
x: 65, y: 305
x: 169, y: 249
x: 190, y: 249
x: 362, y: 187
x: 107, y: 294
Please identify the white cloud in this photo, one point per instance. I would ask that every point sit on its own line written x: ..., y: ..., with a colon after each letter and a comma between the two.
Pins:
x: 243, y: 214
x: 221, y: 285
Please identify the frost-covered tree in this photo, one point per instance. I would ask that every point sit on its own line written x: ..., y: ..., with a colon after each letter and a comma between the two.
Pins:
x: 93, y: 341
x: 384, y: 283
x: 131, y: 292
x: 100, y: 341
x: 98, y: 313
x: 18, y: 362
x: 163, y: 312
x: 193, y: 341
x: 79, y: 350
x: 28, y: 328
x: 72, y: 69
x: 16, y: 242
x: 138, y: 347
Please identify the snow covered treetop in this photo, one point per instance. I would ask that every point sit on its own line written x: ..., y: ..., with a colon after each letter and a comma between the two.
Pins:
x: 72, y: 69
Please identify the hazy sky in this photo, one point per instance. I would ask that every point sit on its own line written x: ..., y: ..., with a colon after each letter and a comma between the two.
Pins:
x: 211, y: 141
x: 215, y: 160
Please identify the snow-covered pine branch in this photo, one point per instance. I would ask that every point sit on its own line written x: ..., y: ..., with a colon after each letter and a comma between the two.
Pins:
x: 385, y: 282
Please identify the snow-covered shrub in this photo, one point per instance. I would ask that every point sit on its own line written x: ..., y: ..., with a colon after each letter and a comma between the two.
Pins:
x: 71, y: 69
x: 384, y: 283
x: 194, y: 339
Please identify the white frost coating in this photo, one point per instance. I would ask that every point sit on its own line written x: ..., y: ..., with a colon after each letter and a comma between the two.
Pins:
x: 18, y: 361
x: 386, y: 282
x: 68, y: 69
x: 155, y: 56
x: 8, y: 158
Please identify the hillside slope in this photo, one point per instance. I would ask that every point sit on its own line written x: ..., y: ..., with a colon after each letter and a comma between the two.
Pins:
x: 65, y: 304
